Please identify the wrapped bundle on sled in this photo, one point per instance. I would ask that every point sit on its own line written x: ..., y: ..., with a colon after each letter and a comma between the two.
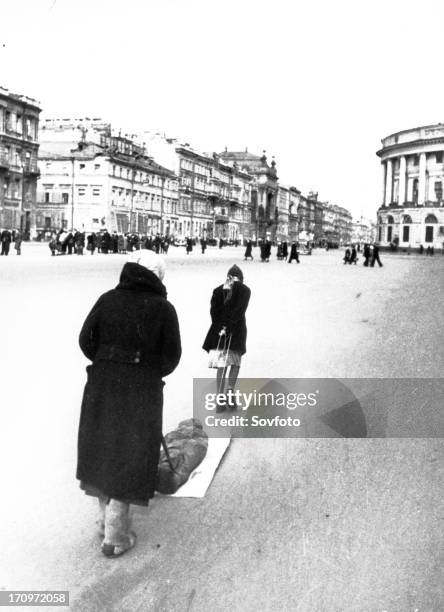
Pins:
x: 184, y: 449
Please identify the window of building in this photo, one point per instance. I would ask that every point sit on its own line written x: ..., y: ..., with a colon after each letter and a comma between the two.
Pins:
x: 438, y: 190
x: 389, y: 233
x: 439, y: 157
x: 415, y: 191
x: 47, y: 196
x: 431, y: 219
x: 405, y: 233
x: 416, y: 160
x: 429, y: 233
x: 65, y: 198
x: 47, y: 222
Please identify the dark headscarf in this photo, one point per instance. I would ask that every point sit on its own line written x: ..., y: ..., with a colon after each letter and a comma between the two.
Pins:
x: 236, y: 271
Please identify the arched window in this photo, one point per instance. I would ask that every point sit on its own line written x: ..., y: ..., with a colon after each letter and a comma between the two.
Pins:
x: 431, y: 219
x: 390, y: 219
x: 406, y: 219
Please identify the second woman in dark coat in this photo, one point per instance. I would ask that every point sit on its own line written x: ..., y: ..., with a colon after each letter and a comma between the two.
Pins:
x: 229, y: 303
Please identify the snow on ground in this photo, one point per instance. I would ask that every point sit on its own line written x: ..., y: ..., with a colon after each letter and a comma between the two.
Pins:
x: 316, y: 319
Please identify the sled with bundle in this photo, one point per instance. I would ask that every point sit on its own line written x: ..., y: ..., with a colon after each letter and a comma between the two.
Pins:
x: 183, y: 450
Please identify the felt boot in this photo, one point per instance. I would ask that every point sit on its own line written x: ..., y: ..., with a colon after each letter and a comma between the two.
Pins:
x: 118, y: 537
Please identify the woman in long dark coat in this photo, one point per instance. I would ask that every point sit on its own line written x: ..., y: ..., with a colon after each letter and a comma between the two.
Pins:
x: 229, y: 303
x: 132, y: 338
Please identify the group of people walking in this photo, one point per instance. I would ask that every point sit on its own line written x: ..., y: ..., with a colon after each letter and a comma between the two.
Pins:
x: 370, y: 253
x: 265, y: 251
x: 7, y: 237
x: 120, y: 430
x: 67, y: 243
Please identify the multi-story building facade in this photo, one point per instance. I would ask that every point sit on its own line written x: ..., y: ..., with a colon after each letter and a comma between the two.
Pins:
x: 264, y: 190
x: 19, y: 121
x: 294, y: 219
x: 214, y: 192
x: 93, y: 178
x: 342, y: 223
x: 306, y: 215
x: 411, y: 213
x: 363, y: 231
x: 283, y: 213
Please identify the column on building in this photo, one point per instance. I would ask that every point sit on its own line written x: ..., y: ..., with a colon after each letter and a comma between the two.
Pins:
x: 384, y: 179
x: 422, y: 179
x: 389, y: 183
x: 402, y: 180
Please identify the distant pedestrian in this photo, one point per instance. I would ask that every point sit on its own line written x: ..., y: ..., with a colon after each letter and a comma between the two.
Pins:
x: 18, y: 242
x: 5, y: 238
x: 353, y: 256
x: 249, y: 251
x: 421, y: 249
x: 294, y: 253
x: 347, y: 256
x: 263, y: 251
x: 375, y: 256
x: 115, y: 242
x: 285, y: 250
x: 70, y: 242
x: 91, y: 243
x: 79, y: 242
x: 367, y: 254
x: 189, y: 246
x: 203, y: 245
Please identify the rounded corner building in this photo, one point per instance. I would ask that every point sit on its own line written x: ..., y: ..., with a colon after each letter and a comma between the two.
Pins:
x: 412, y: 212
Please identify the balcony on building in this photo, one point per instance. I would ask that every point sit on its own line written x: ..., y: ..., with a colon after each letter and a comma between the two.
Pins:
x: 234, y: 194
x: 213, y: 189
x: 4, y: 160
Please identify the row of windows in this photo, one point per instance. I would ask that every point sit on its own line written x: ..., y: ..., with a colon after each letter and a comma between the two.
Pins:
x: 15, y: 155
x: 408, y: 219
x: 117, y: 171
x: 141, y: 176
x: 428, y: 236
x: 20, y: 124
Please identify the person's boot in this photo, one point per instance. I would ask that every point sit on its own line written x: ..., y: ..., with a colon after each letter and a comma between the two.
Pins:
x: 118, y: 537
x: 100, y: 522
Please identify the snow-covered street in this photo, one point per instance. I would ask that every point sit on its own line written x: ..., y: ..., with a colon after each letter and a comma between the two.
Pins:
x: 286, y: 524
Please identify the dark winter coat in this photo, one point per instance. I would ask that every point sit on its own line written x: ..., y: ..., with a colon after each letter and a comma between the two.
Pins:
x: 132, y: 337
x: 230, y: 314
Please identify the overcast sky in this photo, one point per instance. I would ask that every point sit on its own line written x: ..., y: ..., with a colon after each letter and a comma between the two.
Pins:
x: 315, y: 83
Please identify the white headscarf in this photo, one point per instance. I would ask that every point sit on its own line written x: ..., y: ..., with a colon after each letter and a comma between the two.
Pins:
x: 149, y: 260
